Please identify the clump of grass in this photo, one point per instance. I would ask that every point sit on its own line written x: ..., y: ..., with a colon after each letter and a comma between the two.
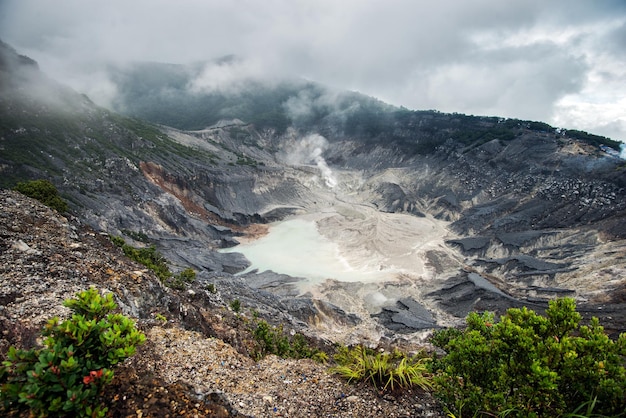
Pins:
x: 383, y: 370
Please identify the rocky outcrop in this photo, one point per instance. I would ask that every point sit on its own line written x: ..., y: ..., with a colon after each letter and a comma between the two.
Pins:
x: 407, y: 316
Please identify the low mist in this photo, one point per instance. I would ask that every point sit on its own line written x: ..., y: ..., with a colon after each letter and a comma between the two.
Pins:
x: 228, y: 75
x: 313, y: 102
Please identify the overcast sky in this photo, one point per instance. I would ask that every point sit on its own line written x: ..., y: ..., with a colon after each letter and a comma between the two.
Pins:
x: 558, y: 61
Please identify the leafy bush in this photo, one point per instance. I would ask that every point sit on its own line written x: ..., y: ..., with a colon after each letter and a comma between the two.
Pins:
x: 528, y: 365
x: 272, y: 340
x: 67, y: 375
x: 152, y: 259
x: 136, y: 235
x: 44, y: 191
x: 188, y: 275
x: 383, y: 370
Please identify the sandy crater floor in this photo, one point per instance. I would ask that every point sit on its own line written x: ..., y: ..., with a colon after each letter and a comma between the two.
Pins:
x: 356, y: 257
x: 361, y: 245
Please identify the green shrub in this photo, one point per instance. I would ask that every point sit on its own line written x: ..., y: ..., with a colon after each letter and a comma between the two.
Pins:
x: 117, y: 241
x: 273, y: 340
x: 152, y: 259
x: 235, y: 305
x: 528, y: 365
x: 148, y: 256
x: 136, y: 235
x: 383, y: 370
x: 180, y: 280
x: 44, y: 191
x: 66, y: 377
x: 188, y: 275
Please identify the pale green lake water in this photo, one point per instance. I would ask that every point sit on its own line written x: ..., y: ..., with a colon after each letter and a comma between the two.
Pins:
x: 295, y: 247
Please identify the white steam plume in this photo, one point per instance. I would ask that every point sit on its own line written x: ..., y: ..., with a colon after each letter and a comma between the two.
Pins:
x: 623, y: 152
x: 309, y: 150
x: 327, y: 173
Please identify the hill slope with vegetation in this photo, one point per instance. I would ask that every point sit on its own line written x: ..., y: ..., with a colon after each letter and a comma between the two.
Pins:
x: 204, y: 356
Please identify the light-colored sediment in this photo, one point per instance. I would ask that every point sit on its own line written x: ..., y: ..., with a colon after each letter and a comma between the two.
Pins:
x: 357, y: 258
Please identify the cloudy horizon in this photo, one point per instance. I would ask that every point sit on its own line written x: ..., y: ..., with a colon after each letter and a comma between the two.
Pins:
x: 562, y: 62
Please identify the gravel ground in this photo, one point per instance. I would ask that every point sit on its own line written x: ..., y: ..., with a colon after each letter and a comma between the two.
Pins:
x: 273, y: 386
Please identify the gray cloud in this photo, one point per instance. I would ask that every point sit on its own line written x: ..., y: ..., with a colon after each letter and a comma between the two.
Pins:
x: 531, y: 59
x: 512, y: 82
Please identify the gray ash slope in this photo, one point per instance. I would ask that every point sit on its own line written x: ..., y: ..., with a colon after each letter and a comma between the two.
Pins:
x: 536, y: 212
